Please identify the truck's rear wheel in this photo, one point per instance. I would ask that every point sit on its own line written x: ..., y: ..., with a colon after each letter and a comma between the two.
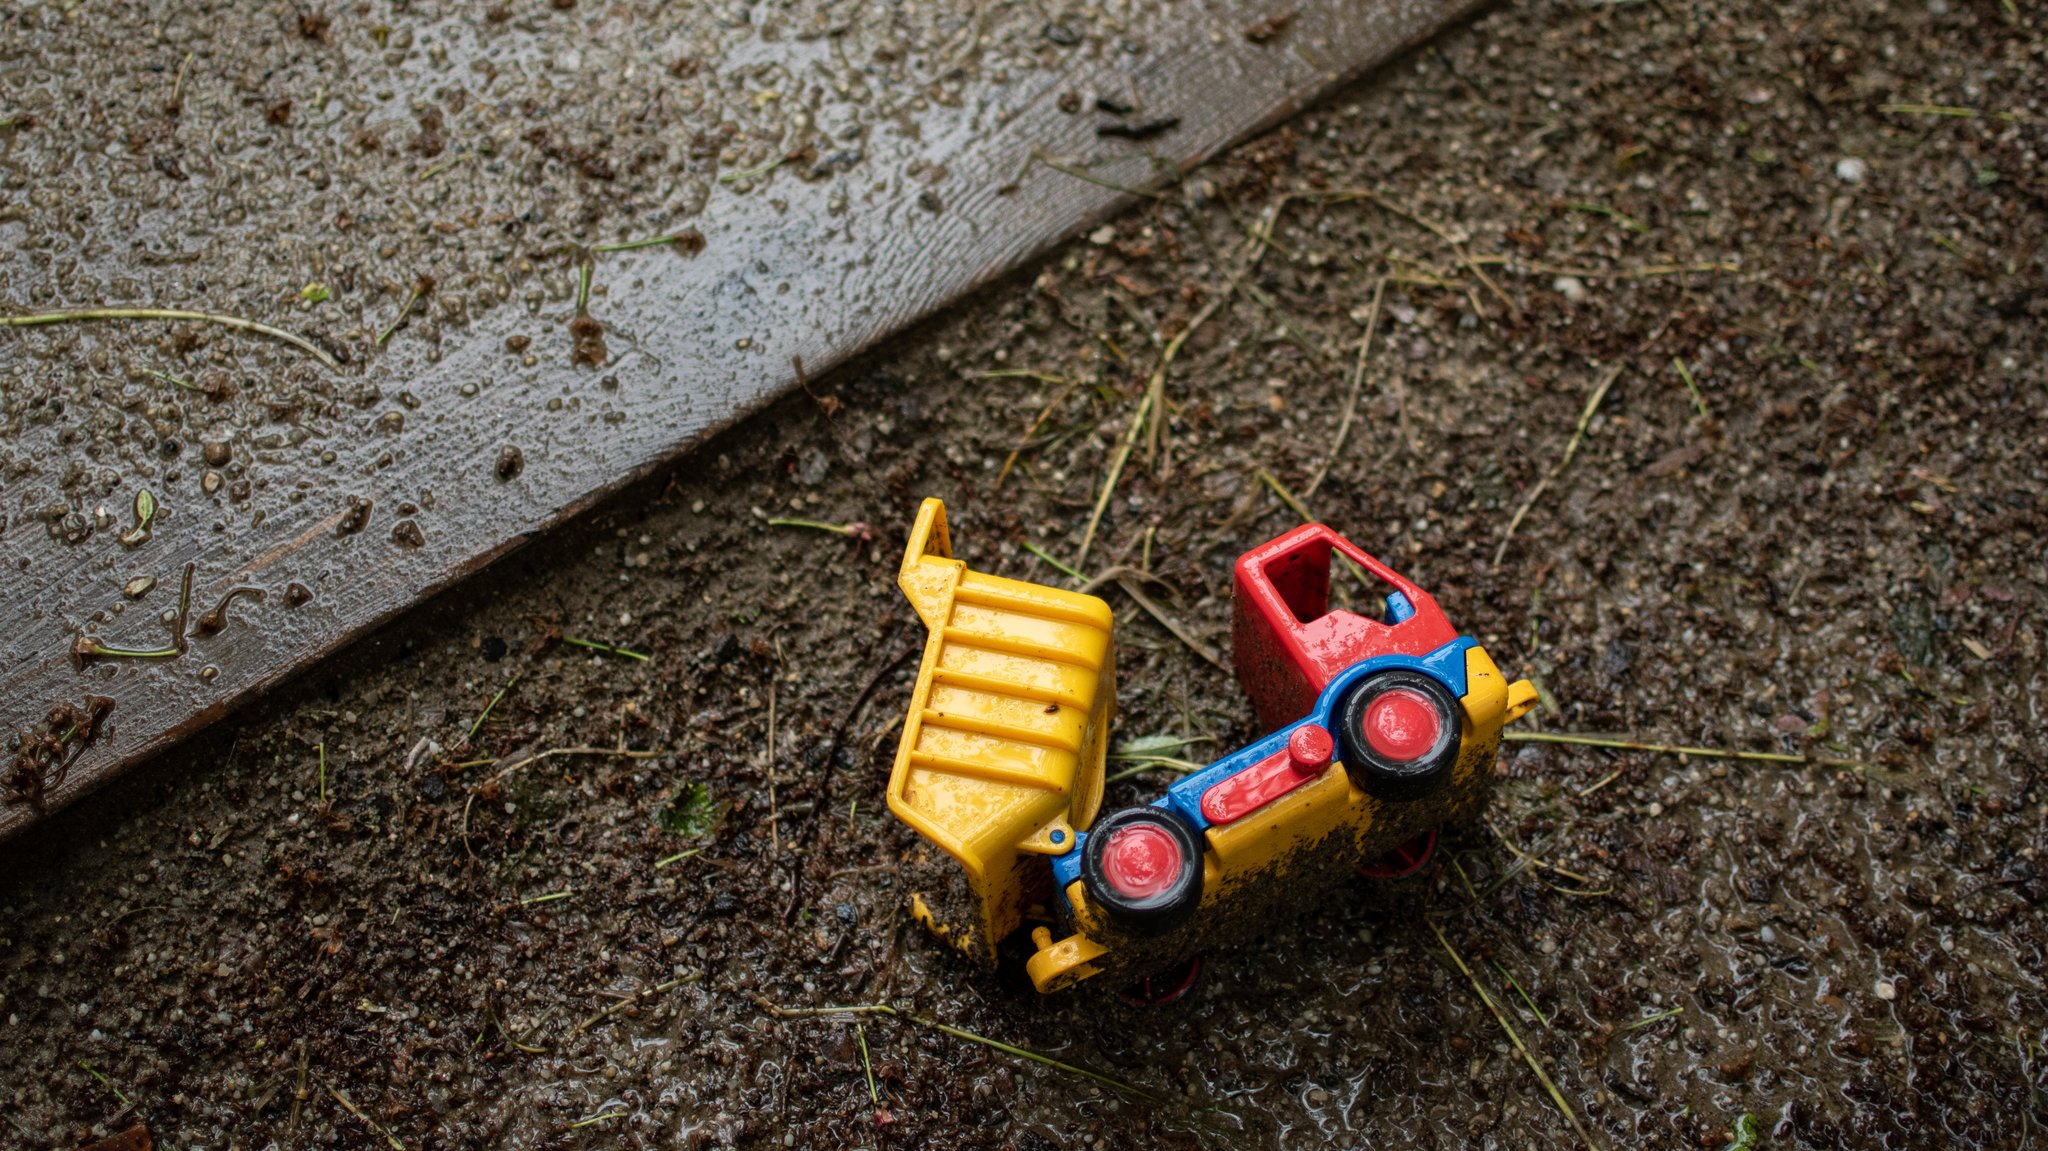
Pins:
x: 1143, y: 866
x: 1398, y: 733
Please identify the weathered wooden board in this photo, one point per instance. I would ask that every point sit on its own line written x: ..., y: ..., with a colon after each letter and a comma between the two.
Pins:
x: 455, y: 453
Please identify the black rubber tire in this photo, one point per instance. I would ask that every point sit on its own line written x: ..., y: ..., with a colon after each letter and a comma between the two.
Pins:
x: 1159, y: 912
x: 1392, y: 780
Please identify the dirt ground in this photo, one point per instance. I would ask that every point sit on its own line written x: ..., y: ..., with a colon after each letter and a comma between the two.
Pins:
x: 1796, y: 252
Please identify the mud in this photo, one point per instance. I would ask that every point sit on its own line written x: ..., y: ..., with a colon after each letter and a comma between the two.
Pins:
x: 1822, y: 537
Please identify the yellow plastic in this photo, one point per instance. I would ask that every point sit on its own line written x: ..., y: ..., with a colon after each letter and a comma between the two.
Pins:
x: 1003, y: 748
x: 1248, y: 859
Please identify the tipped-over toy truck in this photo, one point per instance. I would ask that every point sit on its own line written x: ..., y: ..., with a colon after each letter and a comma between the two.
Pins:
x: 1384, y: 726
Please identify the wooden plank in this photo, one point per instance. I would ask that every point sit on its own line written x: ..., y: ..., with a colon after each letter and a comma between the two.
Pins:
x: 492, y: 448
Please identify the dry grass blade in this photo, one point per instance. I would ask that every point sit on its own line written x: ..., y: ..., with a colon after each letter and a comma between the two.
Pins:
x: 1618, y: 744
x: 1293, y: 503
x: 614, y: 1009
x: 1372, y: 321
x: 1116, y: 471
x: 352, y: 1109
x: 1130, y: 579
x: 77, y: 315
x: 551, y: 753
x: 1156, y: 386
x: 1571, y: 449
x: 1044, y: 414
x: 956, y: 1032
x: 1528, y: 1056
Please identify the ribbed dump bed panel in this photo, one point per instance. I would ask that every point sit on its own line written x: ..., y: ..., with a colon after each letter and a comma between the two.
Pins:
x: 1008, y: 711
x: 1013, y: 685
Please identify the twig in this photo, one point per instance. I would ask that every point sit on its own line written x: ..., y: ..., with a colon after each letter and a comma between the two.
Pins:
x: 774, y: 807
x: 1155, y: 391
x: 957, y: 1033
x: 1951, y: 111
x: 299, y: 1096
x: 323, y: 771
x: 1571, y: 449
x: 749, y: 173
x: 1456, y: 243
x: 74, y: 315
x: 854, y: 530
x: 1528, y: 1057
x: 1603, y: 781
x: 1677, y: 749
x: 1372, y: 320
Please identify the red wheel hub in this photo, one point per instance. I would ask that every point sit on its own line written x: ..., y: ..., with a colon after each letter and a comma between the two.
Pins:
x: 1141, y: 861
x: 1402, y: 725
x: 1160, y: 990
x: 1402, y: 861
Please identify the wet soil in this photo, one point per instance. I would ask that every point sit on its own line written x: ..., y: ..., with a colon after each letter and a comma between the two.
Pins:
x: 577, y: 238
x: 1806, y: 517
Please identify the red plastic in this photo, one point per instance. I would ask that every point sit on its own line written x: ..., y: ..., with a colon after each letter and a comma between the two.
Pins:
x: 1307, y: 753
x: 1402, y: 725
x: 1141, y: 861
x: 1289, y: 645
x: 1160, y: 990
x: 1403, y: 861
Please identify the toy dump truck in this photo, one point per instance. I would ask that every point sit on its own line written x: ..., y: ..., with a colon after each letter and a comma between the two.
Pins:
x: 1385, y: 725
x: 1001, y: 759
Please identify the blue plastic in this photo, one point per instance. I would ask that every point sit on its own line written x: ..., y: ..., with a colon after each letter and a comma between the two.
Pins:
x: 1446, y: 665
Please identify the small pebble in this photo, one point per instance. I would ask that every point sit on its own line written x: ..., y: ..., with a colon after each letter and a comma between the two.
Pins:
x: 1887, y: 990
x: 1850, y: 170
x: 1570, y: 287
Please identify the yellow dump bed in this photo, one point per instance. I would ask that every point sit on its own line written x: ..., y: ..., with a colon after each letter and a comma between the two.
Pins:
x: 1003, y: 746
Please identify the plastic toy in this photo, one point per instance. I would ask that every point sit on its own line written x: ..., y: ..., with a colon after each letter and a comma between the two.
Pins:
x: 1385, y: 726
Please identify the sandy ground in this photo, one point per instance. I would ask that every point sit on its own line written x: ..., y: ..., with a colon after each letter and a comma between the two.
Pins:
x: 1801, y: 250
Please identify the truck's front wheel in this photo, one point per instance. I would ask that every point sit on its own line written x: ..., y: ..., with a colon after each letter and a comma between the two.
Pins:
x: 1143, y: 866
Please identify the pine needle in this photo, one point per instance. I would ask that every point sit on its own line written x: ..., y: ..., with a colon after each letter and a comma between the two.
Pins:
x: 1528, y: 1056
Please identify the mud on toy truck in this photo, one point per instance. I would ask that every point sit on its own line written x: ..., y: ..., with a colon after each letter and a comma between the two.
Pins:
x: 1383, y: 727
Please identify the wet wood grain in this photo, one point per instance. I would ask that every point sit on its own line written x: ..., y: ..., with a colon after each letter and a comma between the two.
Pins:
x: 498, y: 451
